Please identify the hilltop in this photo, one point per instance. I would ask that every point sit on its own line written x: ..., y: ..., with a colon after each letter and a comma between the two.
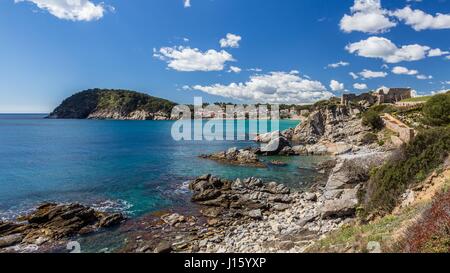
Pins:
x: 113, y: 104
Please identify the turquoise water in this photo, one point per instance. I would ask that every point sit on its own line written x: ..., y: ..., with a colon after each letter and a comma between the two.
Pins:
x: 125, y: 165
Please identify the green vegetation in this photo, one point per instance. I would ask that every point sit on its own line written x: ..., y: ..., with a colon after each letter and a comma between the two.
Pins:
x: 81, y: 105
x: 431, y: 234
x: 333, y: 102
x: 418, y: 99
x: 384, y: 108
x: 411, y: 165
x: 372, y: 118
x: 437, y: 110
x: 369, y: 138
x: 356, y: 237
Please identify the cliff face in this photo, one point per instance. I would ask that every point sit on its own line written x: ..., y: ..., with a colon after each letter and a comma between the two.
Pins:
x: 330, y: 124
x: 113, y: 104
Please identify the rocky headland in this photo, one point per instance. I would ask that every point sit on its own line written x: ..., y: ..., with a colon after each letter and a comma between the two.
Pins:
x: 113, y: 104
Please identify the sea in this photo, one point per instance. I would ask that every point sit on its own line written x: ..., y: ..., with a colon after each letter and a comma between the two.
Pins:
x: 135, y: 167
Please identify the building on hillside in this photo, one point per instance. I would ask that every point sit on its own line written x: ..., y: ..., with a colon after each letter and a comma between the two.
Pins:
x: 392, y: 95
x: 382, y: 95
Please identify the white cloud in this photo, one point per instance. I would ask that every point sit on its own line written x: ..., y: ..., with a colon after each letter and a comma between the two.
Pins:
x: 192, y: 59
x: 360, y: 86
x: 437, y: 52
x: 74, y: 10
x: 275, y: 87
x: 255, y: 69
x: 367, y: 16
x: 439, y: 92
x: 353, y: 75
x: 424, y: 77
x: 338, y: 64
x: 232, y: 40
x: 235, y: 69
x: 336, y: 86
x: 420, y: 20
x: 378, y: 47
x: 187, y: 3
x: 369, y: 74
x: 400, y: 70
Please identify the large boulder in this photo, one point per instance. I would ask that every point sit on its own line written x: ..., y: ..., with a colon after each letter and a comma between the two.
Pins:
x: 345, y: 206
x: 275, y: 146
x: 351, y: 170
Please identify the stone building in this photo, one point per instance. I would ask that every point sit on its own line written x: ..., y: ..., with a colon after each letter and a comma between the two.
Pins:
x: 392, y: 95
x: 382, y: 95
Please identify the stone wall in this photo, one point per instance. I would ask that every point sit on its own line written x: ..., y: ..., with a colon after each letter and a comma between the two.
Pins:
x: 409, y: 104
x: 405, y: 133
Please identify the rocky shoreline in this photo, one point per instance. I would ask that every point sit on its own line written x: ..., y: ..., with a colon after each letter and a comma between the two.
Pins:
x: 250, y: 216
x: 53, y: 224
x: 240, y: 216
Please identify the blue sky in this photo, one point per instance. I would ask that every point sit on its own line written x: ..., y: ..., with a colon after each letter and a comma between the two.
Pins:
x: 275, y: 51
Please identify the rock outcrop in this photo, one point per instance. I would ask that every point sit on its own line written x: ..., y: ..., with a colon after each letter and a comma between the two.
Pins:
x: 234, y: 156
x: 331, y: 125
x: 354, y: 169
x: 52, y: 222
x: 247, y: 198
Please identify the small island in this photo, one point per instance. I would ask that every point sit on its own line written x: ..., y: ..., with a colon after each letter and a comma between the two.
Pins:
x: 113, y: 104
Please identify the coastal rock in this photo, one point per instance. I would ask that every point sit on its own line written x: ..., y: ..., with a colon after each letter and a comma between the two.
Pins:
x: 352, y: 170
x: 275, y: 146
x: 299, y: 150
x: 173, y: 219
x: 266, y: 138
x: 111, y: 220
x: 243, y: 157
x: 255, y: 214
x: 345, y: 206
x: 54, y: 222
x: 10, y: 240
x: 275, y: 188
x: 163, y: 247
x: 278, y: 163
x: 250, y: 197
x: 311, y: 197
x: 330, y: 125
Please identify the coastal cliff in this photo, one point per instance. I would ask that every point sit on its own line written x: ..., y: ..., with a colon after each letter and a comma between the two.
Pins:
x: 113, y: 104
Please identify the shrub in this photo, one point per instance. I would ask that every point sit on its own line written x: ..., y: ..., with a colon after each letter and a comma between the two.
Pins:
x: 437, y: 110
x: 384, y: 108
x: 372, y: 119
x: 369, y: 138
x: 432, y: 233
x: 413, y: 163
